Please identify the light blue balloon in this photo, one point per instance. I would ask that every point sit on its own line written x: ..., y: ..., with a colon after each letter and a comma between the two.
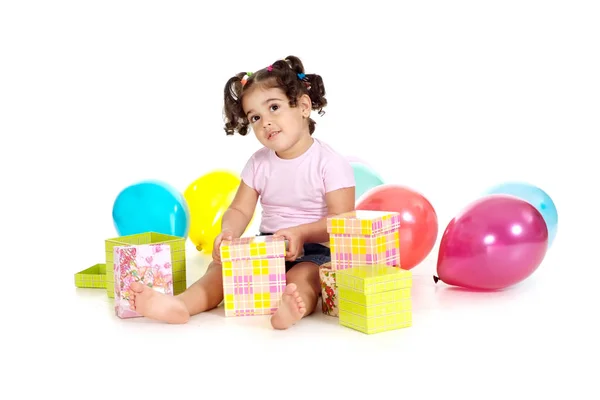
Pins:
x: 537, y: 198
x: 151, y: 206
x: 365, y: 178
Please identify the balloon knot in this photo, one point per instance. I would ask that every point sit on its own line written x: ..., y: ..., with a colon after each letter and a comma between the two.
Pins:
x: 436, y: 279
x: 199, y: 248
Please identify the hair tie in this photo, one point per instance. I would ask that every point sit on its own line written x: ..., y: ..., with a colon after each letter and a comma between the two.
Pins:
x: 301, y: 76
x: 245, y: 78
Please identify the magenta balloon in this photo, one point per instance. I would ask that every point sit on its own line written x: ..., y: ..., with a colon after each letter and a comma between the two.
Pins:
x: 496, y: 242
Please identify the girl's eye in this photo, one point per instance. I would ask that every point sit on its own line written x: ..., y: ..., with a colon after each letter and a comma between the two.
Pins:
x: 254, y: 118
x: 274, y: 107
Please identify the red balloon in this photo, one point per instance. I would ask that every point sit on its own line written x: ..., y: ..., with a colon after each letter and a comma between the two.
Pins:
x: 496, y: 242
x: 419, y: 223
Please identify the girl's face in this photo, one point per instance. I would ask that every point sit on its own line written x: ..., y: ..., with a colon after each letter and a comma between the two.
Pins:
x: 276, y: 125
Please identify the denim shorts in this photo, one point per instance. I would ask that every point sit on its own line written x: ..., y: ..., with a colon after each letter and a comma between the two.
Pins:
x: 315, y: 253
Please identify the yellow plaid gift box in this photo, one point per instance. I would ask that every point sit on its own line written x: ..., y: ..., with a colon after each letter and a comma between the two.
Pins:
x: 374, y: 298
x: 253, y: 275
x: 364, y: 237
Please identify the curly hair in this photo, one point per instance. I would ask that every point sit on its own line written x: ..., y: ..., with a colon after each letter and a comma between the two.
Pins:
x: 288, y: 75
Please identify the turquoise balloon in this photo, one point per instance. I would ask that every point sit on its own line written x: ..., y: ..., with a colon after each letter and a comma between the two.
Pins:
x: 365, y: 178
x: 537, y: 198
x: 151, y: 206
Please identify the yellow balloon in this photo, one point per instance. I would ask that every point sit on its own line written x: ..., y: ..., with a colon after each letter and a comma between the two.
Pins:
x: 208, y: 197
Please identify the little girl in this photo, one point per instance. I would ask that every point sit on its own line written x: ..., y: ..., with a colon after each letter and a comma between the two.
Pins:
x: 299, y: 180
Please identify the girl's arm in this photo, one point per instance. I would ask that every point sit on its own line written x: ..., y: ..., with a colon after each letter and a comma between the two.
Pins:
x: 240, y: 211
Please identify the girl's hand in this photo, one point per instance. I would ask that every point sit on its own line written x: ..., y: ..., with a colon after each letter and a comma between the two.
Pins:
x: 225, y: 235
x: 295, y: 239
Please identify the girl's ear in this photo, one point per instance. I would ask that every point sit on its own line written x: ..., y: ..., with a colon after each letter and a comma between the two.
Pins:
x: 305, y: 105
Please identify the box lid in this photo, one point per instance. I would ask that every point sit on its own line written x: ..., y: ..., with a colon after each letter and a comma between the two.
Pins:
x: 252, y: 247
x: 363, y: 222
x: 369, y: 279
x: 92, y: 277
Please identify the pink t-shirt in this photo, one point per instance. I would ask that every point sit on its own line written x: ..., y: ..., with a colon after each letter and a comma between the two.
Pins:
x: 292, y: 192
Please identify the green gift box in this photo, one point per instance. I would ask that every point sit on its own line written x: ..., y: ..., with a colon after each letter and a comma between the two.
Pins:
x: 178, y: 261
x: 374, y: 298
x: 92, y: 277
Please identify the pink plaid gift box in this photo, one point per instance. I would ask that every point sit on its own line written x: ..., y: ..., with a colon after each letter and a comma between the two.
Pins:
x: 364, y: 237
x: 149, y: 264
x: 253, y: 275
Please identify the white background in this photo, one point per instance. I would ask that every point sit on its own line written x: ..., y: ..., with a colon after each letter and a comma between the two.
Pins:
x: 95, y: 96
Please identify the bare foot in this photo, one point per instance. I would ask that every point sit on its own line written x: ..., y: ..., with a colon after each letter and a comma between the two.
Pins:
x: 152, y: 304
x: 291, y: 310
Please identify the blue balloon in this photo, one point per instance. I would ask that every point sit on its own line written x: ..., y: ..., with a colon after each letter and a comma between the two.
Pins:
x: 537, y: 198
x: 365, y: 178
x: 151, y: 206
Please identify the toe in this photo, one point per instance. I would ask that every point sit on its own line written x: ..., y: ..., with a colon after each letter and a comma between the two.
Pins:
x: 137, y: 287
x: 290, y: 289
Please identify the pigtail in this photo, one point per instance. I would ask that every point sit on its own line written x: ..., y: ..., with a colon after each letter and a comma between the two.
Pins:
x: 312, y: 82
x: 233, y: 114
x: 316, y: 91
x: 295, y: 64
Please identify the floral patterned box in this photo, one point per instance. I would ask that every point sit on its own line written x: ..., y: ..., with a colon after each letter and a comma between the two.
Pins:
x: 329, y: 298
x: 178, y: 258
x: 149, y: 264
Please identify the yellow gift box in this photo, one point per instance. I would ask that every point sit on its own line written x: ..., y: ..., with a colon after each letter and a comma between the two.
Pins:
x: 374, y: 298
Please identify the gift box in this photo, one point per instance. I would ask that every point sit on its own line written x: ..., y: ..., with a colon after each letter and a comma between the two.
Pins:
x: 364, y: 238
x: 177, y: 249
x: 148, y: 264
x: 374, y: 298
x: 92, y: 277
x: 253, y: 275
x: 329, y: 300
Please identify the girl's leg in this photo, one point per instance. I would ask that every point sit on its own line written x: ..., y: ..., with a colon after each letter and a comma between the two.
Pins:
x: 206, y: 293
x: 203, y: 295
x: 300, y: 297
